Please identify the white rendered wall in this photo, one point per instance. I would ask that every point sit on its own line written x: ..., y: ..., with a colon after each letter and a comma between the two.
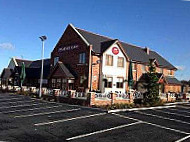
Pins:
x: 113, y: 71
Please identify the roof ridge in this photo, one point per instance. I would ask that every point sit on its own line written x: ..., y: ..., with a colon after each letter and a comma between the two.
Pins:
x: 94, y: 33
x: 110, y: 38
x: 23, y: 59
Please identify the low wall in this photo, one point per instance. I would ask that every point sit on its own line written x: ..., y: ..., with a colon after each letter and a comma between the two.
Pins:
x: 108, y: 99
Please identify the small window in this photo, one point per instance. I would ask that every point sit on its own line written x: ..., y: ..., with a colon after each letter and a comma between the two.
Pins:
x: 119, y: 83
x: 120, y: 62
x: 134, y: 65
x: 170, y: 72
x: 143, y: 68
x: 108, y: 82
x: 56, y: 59
x: 82, y: 58
x: 109, y: 60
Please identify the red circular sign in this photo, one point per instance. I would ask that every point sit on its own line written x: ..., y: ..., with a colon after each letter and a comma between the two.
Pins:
x: 115, y: 50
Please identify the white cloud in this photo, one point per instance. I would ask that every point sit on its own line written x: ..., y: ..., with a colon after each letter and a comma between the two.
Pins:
x: 7, y: 46
x: 181, y: 68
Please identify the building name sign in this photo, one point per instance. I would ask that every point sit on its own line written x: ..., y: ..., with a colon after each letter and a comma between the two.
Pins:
x: 67, y: 48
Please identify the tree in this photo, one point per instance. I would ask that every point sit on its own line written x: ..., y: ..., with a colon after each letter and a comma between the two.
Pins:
x: 152, y: 94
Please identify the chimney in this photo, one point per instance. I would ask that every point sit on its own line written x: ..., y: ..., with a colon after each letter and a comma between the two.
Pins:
x: 147, y: 50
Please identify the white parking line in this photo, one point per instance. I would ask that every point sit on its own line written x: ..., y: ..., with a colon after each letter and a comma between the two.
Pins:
x: 31, y: 109
x: 171, y: 119
x: 182, y: 139
x: 21, y: 105
x: 69, y: 119
x: 102, y: 131
x: 45, y: 113
x: 172, y: 113
x: 156, y: 125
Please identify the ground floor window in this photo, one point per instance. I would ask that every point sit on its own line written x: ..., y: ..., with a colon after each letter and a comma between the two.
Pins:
x: 64, y: 84
x: 53, y: 83
x: 108, y: 82
x: 119, y: 83
x: 58, y: 84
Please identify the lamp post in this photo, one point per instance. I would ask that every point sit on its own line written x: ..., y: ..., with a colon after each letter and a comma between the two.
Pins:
x: 43, y: 38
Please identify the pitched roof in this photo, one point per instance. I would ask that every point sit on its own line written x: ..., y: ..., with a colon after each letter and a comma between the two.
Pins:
x: 172, y: 80
x: 66, y: 71
x: 135, y: 53
x: 34, y: 73
x: 26, y: 62
x: 38, y: 63
x: 7, y: 73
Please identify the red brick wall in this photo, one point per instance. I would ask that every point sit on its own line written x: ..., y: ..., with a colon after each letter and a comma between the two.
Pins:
x: 71, y: 57
x: 95, y: 73
x: 172, y: 88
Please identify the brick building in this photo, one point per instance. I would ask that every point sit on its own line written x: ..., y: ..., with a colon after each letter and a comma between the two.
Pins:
x: 84, y: 61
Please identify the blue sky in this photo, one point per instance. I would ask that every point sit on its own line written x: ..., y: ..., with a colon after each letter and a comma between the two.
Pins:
x: 162, y: 25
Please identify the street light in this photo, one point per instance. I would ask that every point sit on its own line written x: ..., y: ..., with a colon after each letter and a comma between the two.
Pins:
x: 43, y: 38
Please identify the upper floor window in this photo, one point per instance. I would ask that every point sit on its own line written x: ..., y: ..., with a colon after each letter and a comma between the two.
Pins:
x: 143, y: 68
x: 161, y: 70
x: 109, y: 60
x: 82, y: 58
x: 56, y: 59
x: 108, y: 82
x: 134, y: 65
x: 170, y: 72
x: 120, y: 62
x: 119, y: 83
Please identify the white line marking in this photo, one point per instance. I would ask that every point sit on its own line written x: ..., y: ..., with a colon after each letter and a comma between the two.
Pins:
x: 182, y: 139
x: 172, y: 113
x: 176, y: 103
x: 171, y: 119
x: 21, y: 105
x: 69, y: 119
x: 45, y: 113
x: 31, y: 109
x: 135, y: 109
x: 156, y: 125
x: 102, y: 131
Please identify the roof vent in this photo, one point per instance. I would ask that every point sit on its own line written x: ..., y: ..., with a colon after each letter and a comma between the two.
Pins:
x: 147, y: 50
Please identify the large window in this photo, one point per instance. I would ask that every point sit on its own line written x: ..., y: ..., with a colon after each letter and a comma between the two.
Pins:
x: 64, y: 84
x: 119, y: 83
x: 56, y: 59
x: 53, y: 83
x: 58, y: 84
x: 120, y: 62
x: 108, y: 82
x: 82, y: 59
x: 109, y: 60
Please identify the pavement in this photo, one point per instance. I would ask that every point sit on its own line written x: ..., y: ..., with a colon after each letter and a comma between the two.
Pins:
x: 25, y: 119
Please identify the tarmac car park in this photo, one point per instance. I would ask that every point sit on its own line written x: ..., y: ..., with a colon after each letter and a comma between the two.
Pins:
x: 28, y: 119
